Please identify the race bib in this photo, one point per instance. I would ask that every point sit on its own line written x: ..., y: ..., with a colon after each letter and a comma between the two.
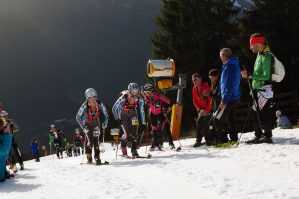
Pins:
x: 157, y: 104
x: 135, y: 122
x: 96, y: 133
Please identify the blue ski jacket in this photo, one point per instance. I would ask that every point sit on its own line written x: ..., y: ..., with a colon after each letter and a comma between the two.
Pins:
x: 34, y: 148
x: 230, y: 80
x: 82, y: 117
x: 122, y: 103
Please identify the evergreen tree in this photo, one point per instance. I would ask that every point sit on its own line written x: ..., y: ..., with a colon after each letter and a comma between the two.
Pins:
x: 278, y: 21
x: 192, y: 32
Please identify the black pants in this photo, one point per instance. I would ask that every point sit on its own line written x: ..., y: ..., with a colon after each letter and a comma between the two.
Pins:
x: 157, y: 138
x: 36, y: 156
x: 93, y: 141
x: 58, y: 150
x: 167, y: 132
x: 265, y: 115
x: 203, y: 128
x: 15, y: 152
x: 77, y: 150
x: 130, y: 130
x: 226, y: 115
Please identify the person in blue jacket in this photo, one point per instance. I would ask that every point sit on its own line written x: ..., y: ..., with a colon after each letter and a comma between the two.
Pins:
x: 91, y: 117
x: 128, y: 111
x: 230, y: 95
x: 35, y: 149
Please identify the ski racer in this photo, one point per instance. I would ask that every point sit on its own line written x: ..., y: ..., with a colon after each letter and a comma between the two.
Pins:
x: 59, y: 138
x: 126, y: 110
x: 159, y: 107
x: 91, y: 116
x: 78, y: 141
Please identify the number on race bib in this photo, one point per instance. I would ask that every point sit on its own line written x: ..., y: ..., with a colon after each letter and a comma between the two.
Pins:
x: 96, y: 133
x: 135, y: 122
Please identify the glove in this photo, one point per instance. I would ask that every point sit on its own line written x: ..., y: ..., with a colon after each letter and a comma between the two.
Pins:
x: 104, y: 125
x: 119, y: 122
x: 85, y: 130
x: 169, y: 110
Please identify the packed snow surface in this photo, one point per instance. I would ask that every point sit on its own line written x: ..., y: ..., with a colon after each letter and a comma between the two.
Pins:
x: 248, y: 171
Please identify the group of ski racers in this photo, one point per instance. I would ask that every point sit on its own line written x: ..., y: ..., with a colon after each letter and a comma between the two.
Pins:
x: 58, y: 143
x: 144, y: 109
x: 133, y: 111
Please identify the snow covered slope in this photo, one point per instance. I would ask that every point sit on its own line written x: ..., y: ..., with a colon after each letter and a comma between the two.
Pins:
x: 249, y: 171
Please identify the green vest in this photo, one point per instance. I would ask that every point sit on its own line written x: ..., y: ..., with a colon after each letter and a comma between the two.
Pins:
x: 51, y: 139
x: 262, y: 69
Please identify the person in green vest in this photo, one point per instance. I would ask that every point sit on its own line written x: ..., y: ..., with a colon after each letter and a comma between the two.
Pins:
x: 262, y: 90
x: 51, y: 142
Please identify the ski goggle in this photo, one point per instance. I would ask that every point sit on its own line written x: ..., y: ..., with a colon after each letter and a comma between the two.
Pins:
x: 92, y: 98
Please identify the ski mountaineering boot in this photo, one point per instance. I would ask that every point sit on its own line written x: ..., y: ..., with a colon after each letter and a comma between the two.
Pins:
x: 134, y: 153
x: 259, y: 140
x: 171, y: 145
x: 98, y: 160
x: 22, y: 166
x: 89, y: 158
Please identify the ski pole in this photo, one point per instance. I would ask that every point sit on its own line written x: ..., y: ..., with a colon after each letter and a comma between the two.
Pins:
x: 50, y: 149
x: 141, y: 138
x: 116, y: 150
x: 103, y: 143
x: 84, y: 151
x: 180, y: 147
x: 214, y: 114
x: 238, y: 142
x: 146, y: 139
x: 255, y: 102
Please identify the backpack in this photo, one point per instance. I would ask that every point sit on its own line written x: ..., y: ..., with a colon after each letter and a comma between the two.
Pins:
x: 278, y: 71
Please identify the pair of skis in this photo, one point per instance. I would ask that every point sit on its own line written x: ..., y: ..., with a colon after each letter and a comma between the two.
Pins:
x: 220, y: 147
x: 95, y: 164
x: 148, y: 156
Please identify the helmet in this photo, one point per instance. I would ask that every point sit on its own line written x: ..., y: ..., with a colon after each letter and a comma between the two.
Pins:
x: 148, y: 87
x: 91, y: 92
x: 133, y: 89
x: 52, y: 126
